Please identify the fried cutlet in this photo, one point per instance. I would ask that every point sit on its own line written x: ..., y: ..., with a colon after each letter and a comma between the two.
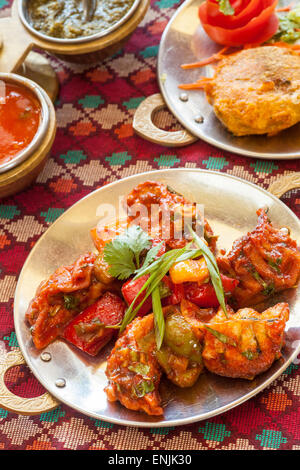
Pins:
x: 257, y: 91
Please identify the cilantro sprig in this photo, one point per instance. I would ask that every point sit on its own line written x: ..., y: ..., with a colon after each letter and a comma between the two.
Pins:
x: 157, y: 270
x: 124, y: 252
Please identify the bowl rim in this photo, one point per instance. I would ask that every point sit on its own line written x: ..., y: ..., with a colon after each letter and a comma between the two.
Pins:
x: 43, y: 125
x: 23, y: 14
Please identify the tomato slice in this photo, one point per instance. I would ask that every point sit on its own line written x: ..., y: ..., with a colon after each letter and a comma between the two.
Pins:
x: 205, y: 296
x: 258, y: 30
x: 248, y: 10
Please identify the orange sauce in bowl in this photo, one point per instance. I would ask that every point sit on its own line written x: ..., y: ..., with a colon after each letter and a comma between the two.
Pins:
x: 20, y: 113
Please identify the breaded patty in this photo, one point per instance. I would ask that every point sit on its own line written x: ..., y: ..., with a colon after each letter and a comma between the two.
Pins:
x: 257, y: 91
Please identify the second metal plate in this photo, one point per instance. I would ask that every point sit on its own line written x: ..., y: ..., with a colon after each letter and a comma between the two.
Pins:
x: 184, y: 41
x: 230, y: 206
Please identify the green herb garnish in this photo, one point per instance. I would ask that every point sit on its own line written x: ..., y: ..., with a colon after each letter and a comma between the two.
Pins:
x: 275, y: 264
x: 250, y: 355
x: 70, y: 302
x: 225, y: 7
x: 134, y: 355
x: 268, y: 289
x: 172, y: 191
x: 289, y: 25
x: 139, y: 368
x: 142, y: 388
x: 92, y: 327
x: 123, y: 253
x: 157, y: 270
x: 159, y: 320
x: 150, y: 257
x: 221, y: 337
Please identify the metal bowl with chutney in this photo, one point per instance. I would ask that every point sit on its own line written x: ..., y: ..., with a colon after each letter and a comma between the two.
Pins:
x: 58, y: 28
x: 62, y: 21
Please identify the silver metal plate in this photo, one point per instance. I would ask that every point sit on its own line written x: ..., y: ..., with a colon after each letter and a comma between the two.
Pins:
x: 184, y: 41
x: 230, y: 205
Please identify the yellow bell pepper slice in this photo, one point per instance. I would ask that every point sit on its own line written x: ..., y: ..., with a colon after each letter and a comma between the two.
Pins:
x: 189, y: 271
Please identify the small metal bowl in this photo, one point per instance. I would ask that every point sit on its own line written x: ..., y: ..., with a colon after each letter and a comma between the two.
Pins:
x: 23, y: 14
x: 20, y: 172
x: 43, y: 125
x: 16, y: 30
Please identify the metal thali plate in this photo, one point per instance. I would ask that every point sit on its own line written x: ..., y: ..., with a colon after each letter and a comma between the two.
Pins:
x: 230, y: 207
x: 184, y: 41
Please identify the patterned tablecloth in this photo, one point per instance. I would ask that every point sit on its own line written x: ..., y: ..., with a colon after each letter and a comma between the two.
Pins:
x: 95, y: 144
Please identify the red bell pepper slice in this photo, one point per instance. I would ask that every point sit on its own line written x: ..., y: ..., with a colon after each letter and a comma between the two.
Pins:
x: 130, y: 290
x: 241, y: 17
x: 258, y: 30
x: 205, y: 295
x: 132, y: 287
x: 89, y: 330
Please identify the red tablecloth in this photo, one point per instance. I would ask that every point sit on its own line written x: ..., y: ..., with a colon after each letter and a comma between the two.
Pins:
x: 95, y: 144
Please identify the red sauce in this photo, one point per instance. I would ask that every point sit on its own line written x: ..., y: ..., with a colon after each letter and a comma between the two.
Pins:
x: 19, y: 120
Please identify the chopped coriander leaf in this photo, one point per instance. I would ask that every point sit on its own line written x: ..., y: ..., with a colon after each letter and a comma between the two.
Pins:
x: 134, y: 355
x: 92, y: 327
x: 256, y: 276
x: 250, y: 355
x: 143, y: 387
x: 70, y: 302
x: 139, y: 368
x: 275, y: 264
x: 268, y: 289
x: 221, y: 337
